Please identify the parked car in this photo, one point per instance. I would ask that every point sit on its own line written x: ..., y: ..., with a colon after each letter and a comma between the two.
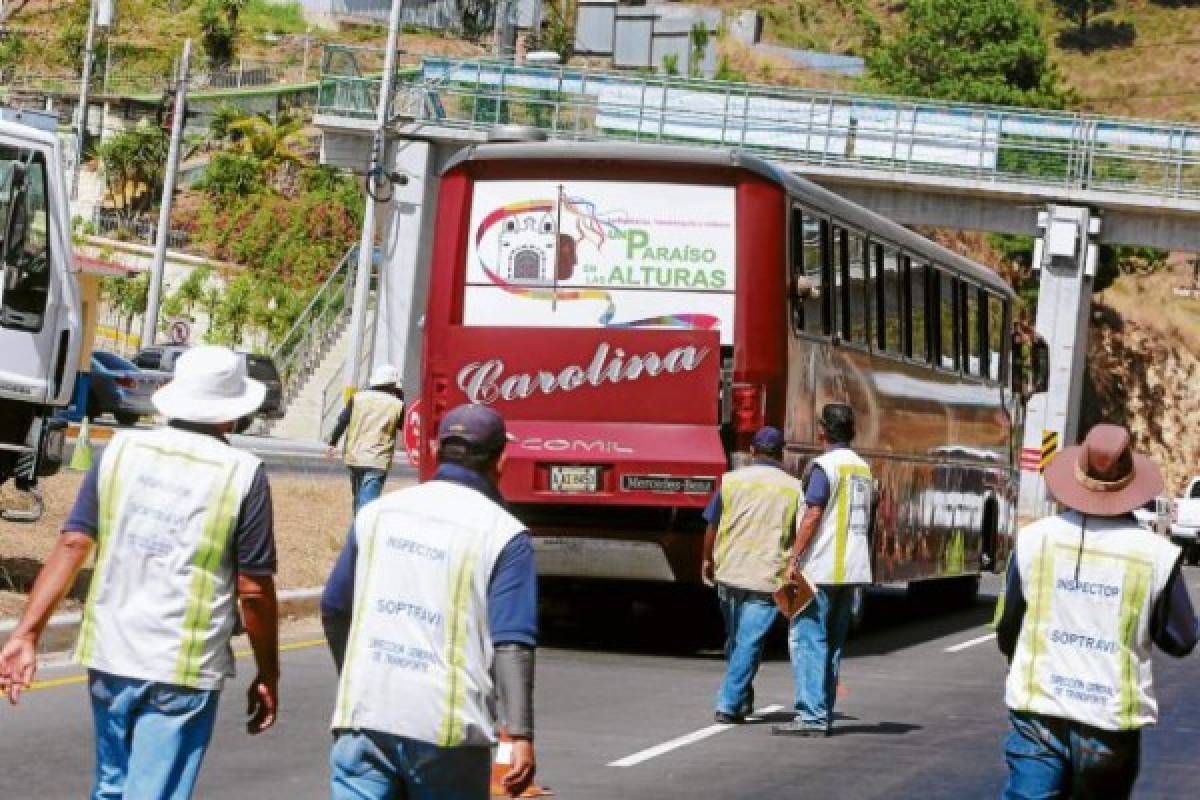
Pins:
x: 1155, y: 515
x: 259, y: 367
x: 159, y: 357
x: 1185, y: 522
x: 119, y: 388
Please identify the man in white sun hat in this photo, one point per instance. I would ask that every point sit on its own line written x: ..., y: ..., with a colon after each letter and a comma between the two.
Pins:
x: 182, y: 525
x: 370, y: 421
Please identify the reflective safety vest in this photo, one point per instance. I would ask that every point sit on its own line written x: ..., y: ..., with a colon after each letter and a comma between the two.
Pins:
x: 162, y: 603
x: 419, y: 656
x: 371, y: 434
x: 1083, y: 652
x: 841, y: 552
x: 757, y: 527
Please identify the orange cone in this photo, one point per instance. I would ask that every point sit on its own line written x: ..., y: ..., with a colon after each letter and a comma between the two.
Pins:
x: 500, y: 765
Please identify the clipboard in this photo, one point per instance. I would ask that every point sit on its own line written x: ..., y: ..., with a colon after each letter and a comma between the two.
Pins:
x: 793, y: 598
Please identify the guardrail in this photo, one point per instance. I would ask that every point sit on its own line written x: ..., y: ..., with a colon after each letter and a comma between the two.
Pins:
x: 111, y: 224
x: 301, y: 349
x: 1059, y: 150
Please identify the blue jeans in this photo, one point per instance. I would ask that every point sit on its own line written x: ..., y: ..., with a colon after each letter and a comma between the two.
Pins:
x: 815, y: 640
x: 366, y: 484
x: 150, y: 737
x: 1049, y: 757
x: 368, y: 765
x: 748, y: 619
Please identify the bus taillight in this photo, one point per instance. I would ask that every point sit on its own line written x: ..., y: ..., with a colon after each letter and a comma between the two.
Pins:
x: 749, y: 407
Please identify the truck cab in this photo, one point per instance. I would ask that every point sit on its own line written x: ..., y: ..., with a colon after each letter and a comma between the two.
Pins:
x: 40, y: 317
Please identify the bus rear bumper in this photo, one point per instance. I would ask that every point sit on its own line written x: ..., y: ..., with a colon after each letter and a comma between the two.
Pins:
x: 662, y: 557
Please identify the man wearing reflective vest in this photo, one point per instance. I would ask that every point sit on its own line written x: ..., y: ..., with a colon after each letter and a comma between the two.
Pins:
x: 751, y: 523
x: 183, y: 529
x: 833, y: 552
x: 444, y: 624
x: 1088, y: 591
x: 370, y: 421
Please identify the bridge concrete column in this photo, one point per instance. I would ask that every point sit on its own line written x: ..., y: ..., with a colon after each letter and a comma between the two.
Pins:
x: 1065, y: 257
x: 407, y: 246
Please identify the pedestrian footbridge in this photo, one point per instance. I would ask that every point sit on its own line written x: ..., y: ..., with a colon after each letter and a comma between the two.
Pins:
x: 919, y: 162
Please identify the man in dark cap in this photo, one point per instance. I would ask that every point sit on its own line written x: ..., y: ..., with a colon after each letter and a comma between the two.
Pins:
x: 1088, y: 592
x: 833, y: 553
x: 443, y: 587
x: 751, y: 522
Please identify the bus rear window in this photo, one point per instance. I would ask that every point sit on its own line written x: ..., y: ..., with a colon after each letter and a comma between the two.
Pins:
x: 581, y: 254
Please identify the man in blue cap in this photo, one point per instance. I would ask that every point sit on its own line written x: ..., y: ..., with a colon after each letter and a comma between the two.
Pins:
x: 431, y: 613
x: 751, y: 523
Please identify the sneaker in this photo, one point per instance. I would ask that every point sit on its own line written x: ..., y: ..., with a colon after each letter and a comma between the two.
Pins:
x: 798, y: 728
x: 728, y: 719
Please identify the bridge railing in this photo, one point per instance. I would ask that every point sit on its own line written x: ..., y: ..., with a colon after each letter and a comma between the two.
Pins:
x: 963, y: 141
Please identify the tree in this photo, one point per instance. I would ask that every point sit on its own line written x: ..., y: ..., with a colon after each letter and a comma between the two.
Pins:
x: 223, y: 119
x: 966, y: 50
x: 134, y: 166
x: 699, y: 45
x: 272, y: 143
x: 1081, y: 11
x: 219, y: 31
x: 558, y: 28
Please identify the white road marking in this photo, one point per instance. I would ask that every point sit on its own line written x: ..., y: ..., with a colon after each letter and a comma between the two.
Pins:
x: 987, y: 637
x: 685, y: 740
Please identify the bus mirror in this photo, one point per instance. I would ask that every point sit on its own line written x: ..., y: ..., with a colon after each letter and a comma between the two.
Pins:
x: 1040, y: 362
x: 805, y: 289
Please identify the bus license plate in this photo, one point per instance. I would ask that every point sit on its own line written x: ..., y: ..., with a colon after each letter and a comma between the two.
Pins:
x: 574, y: 480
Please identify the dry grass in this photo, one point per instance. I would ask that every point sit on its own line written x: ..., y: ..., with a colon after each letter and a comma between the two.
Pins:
x: 311, y: 519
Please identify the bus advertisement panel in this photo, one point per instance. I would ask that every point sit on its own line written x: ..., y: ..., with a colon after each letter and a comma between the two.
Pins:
x: 601, y: 254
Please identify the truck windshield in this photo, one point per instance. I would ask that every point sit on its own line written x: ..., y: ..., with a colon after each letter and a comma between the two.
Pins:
x: 601, y: 254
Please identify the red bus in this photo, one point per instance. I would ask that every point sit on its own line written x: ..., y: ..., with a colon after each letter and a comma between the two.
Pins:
x: 637, y: 311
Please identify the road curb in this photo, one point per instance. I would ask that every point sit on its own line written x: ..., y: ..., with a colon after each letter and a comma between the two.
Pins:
x: 63, y: 629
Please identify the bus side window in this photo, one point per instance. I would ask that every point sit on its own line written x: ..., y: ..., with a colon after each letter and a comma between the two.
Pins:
x: 809, y: 298
x: 947, y: 329
x: 975, y: 355
x: 874, y: 295
x: 996, y: 337
x: 891, y: 330
x: 841, y: 255
x: 918, y: 288
x: 856, y: 290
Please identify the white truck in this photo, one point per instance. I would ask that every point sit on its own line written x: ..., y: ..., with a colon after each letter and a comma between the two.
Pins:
x: 40, y: 315
x: 1185, y: 522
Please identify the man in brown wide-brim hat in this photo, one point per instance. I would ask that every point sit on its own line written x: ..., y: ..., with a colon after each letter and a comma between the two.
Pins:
x: 1087, y: 592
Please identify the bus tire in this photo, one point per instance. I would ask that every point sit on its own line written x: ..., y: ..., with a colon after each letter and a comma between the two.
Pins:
x: 988, y: 538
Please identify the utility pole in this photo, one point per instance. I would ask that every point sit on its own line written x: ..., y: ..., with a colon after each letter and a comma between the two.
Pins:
x: 150, y: 322
x: 81, y: 113
x: 505, y: 34
x: 366, y: 244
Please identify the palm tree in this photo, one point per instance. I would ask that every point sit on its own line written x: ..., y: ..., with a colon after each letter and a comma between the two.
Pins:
x: 272, y: 143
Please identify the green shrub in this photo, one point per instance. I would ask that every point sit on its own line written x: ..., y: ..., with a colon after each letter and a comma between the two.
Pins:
x: 232, y: 174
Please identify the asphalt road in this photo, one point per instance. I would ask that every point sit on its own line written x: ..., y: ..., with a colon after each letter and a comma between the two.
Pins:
x: 624, y: 711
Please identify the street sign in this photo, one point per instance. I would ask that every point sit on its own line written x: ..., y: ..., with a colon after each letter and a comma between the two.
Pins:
x: 1049, y: 448
x: 412, y: 433
x: 180, y: 331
